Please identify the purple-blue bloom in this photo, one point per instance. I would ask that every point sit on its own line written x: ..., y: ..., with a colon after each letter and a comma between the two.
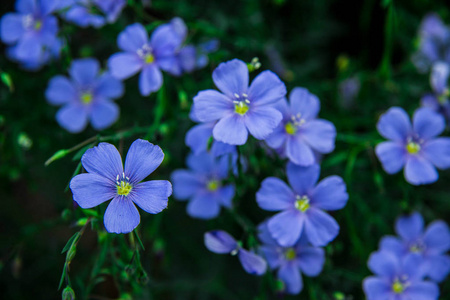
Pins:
x: 438, y: 100
x: 86, y: 96
x: 397, y: 278
x: 415, y: 147
x: 302, y: 205
x: 148, y: 56
x: 81, y: 12
x: 240, y: 108
x: 291, y: 262
x: 431, y: 243
x: 203, y: 185
x: 107, y: 178
x: 111, y: 8
x: 220, y: 242
x: 32, y: 32
x: 300, y: 134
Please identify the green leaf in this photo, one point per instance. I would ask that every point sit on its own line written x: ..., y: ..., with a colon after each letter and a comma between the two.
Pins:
x: 59, y: 154
x: 73, y: 239
x: 6, y: 79
x: 80, y: 152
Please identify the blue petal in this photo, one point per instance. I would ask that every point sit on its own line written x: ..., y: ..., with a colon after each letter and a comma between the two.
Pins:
x: 11, y: 28
x: 265, y: 236
x: 277, y: 138
x: 392, y: 244
x: 437, y: 237
x: 210, y: 105
x: 84, y: 71
x: 252, y: 263
x: 423, y: 291
x: 261, y: 121
x: 320, y: 135
x: 231, y: 130
x: 392, y: 156
x: 394, y: 124
x: 220, y: 242
x: 266, y: 88
x: 299, y: 152
x: 185, y: 184
x: 187, y: 58
x: 109, y: 87
x: 410, y: 228
x: 124, y: 65
x: 197, y: 137
x: 290, y: 275
x: 437, y: 151
x: 72, y: 117
x: 330, y: 194
x: 274, y: 195
x: 384, y: 264
x: 225, y: 195
x: 60, y: 90
x: 273, y: 255
x: 376, y: 288
x: 437, y: 267
x: 104, y: 114
x: 203, y: 207
x: 412, y: 265
x: 320, y: 227
x: 29, y: 48
x: 165, y: 41
x: 103, y: 160
x: 142, y: 159
x: 132, y: 38
x: 305, y: 103
x: 150, y: 80
x: 121, y: 216
x: 286, y: 227
x: 439, y: 76
x: 311, y: 260
x: 90, y: 190
x: 220, y: 149
x: 26, y: 6
x: 231, y: 77
x: 427, y: 123
x: 204, y: 163
x: 302, y: 179
x: 420, y: 171
x: 151, y: 196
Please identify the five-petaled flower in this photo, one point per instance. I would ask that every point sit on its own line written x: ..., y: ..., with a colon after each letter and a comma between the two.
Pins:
x: 107, y: 179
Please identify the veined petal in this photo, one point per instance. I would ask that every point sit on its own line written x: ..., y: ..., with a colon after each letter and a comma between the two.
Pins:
x: 72, y: 117
x: 11, y: 28
x: 103, y: 160
x: 231, y: 130
x: 392, y: 156
x: 231, y: 77
x: 90, y: 190
x: 419, y: 171
x: 252, y: 263
x: 132, y: 38
x: 274, y: 195
x: 290, y: 275
x: 124, y: 65
x: 266, y: 88
x: 261, y: 121
x: 410, y: 227
x: 286, y: 227
x: 437, y: 237
x: 109, y: 87
x: 142, y: 159
x: 203, y: 207
x: 185, y: 184
x: 210, y: 105
x: 311, y: 260
x: 121, y: 216
x: 150, y: 80
x: 320, y: 135
x: 299, y: 152
x: 438, y: 152
x: 151, y: 196
x: 330, y: 194
x: 394, y: 124
x: 104, y: 114
x: 220, y: 242
x: 84, y: 71
x: 427, y: 123
x: 320, y: 227
x: 376, y: 288
x: 60, y: 90
x: 305, y: 103
x: 302, y: 179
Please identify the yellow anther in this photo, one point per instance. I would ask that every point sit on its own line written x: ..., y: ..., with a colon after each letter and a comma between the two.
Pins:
x: 241, y: 108
x: 149, y: 58
x: 302, y: 203
x: 38, y: 25
x: 290, y: 254
x: 86, y: 98
x: 412, y: 148
x: 124, y: 188
x: 213, y: 185
x: 290, y: 128
x: 398, y: 287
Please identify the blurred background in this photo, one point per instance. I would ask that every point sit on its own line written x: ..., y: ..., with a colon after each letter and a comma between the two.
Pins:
x: 354, y: 55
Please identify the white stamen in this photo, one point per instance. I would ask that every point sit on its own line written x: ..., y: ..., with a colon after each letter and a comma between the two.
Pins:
x: 247, y: 101
x: 245, y: 95
x: 236, y: 102
x: 236, y: 95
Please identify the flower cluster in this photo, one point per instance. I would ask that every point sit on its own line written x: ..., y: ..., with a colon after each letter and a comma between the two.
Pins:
x: 403, y: 264
x: 83, y: 12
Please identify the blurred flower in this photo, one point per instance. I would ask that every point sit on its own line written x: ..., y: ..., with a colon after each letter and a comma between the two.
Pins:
x: 397, y: 278
x: 203, y: 185
x: 416, y: 148
x: 240, y: 108
x: 302, y: 205
x: 300, y: 134
x: 348, y: 91
x: 439, y: 99
x: 86, y: 96
x: 434, y: 39
x: 431, y: 244
x: 291, y: 262
x: 31, y: 33
x: 203, y: 50
x: 106, y: 179
x: 83, y: 13
x: 111, y: 8
x: 148, y: 56
x: 220, y: 242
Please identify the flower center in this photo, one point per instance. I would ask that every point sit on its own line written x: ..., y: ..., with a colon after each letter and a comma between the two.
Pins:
x: 302, y: 203
x: 86, y: 98
x: 290, y: 254
x: 213, y: 185
x: 241, y: 104
x: 290, y: 128
x: 123, y: 185
x: 146, y: 54
x: 149, y: 58
x: 412, y: 148
x: 399, y: 286
x: 417, y: 247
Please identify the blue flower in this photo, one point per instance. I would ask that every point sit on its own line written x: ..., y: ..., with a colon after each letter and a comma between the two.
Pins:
x: 148, y: 56
x: 203, y: 185
x: 300, y: 134
x: 203, y: 50
x: 32, y: 32
x: 302, y: 205
x: 291, y: 262
x: 431, y: 244
x: 240, y: 108
x: 80, y: 12
x: 397, y: 278
x: 221, y: 242
x: 416, y: 147
x: 111, y: 8
x: 86, y: 96
x: 439, y: 99
x: 106, y: 179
